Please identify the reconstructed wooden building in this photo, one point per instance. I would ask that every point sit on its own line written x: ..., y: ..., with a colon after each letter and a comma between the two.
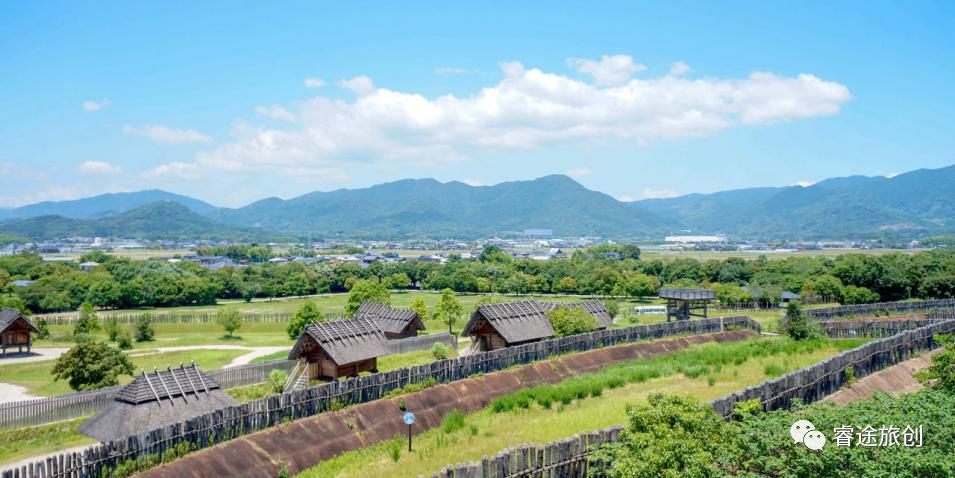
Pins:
x: 495, y: 326
x: 685, y: 303
x: 15, y: 331
x: 394, y: 322
x: 155, y: 400
x: 596, y: 308
x: 340, y: 348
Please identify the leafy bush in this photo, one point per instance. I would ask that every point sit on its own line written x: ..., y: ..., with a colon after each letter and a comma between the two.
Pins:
x: 439, y: 351
x: 124, y: 340
x: 87, y: 321
x: 571, y: 321
x: 92, y: 365
x: 111, y: 326
x: 308, y: 313
x: 276, y: 380
x: 798, y: 326
x: 230, y: 320
x: 43, y: 329
x: 144, y: 328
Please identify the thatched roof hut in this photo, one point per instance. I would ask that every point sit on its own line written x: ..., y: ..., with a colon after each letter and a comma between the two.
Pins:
x: 496, y: 326
x: 15, y: 330
x: 396, y: 323
x: 157, y: 399
x: 596, y: 308
x: 340, y: 348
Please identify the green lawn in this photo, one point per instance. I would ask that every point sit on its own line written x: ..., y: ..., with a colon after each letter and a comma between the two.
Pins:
x: 487, y: 432
x: 36, y: 377
x: 26, y: 442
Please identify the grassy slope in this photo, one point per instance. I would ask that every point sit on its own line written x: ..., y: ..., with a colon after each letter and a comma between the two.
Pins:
x: 495, y: 431
x: 36, y: 376
x: 26, y: 442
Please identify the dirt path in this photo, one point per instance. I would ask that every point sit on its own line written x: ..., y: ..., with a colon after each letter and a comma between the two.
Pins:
x: 35, y: 355
x: 14, y: 393
x: 305, y: 443
x: 895, y: 380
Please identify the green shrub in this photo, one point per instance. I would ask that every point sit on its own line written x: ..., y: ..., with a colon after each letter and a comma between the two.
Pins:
x: 452, y: 422
x: 124, y: 340
x: 439, y: 351
x: 773, y: 370
x: 276, y: 381
x: 112, y: 328
x: 144, y: 328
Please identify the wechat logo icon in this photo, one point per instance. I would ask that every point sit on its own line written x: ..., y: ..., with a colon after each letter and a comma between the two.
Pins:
x: 803, y: 431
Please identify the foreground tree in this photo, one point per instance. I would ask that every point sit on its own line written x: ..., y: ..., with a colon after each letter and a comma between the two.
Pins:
x: 366, y: 291
x: 308, y: 313
x: 448, y: 309
x: 92, y: 365
x: 942, y: 370
x: 571, y: 321
x: 230, y: 320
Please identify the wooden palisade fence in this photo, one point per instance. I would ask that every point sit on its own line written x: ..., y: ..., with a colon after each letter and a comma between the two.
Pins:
x: 567, y: 458
x: 819, y: 380
x: 232, y: 422
x: 905, y: 307
x: 65, y: 407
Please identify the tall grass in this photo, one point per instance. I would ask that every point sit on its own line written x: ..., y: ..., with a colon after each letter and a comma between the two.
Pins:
x: 696, y: 361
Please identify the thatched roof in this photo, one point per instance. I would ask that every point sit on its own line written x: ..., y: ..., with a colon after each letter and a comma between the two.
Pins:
x: 516, y: 321
x: 596, y: 308
x: 157, y: 399
x: 687, y: 294
x: 9, y: 316
x: 346, y: 341
x: 390, y: 319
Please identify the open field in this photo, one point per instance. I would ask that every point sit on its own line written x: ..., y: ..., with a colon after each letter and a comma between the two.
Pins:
x: 706, y: 255
x: 36, y: 377
x: 23, y: 443
x: 130, y: 253
x: 486, y: 432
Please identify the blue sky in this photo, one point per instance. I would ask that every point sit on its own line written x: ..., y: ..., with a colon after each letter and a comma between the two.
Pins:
x: 635, y: 99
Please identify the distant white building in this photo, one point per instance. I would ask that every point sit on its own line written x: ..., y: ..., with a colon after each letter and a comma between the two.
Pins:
x: 695, y: 239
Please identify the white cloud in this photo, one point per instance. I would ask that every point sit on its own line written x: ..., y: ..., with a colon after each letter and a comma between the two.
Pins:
x: 472, y: 182
x: 649, y: 193
x: 891, y: 175
x: 175, y: 169
x: 626, y: 198
x: 99, y: 167
x: 361, y: 85
x: 90, y: 105
x: 612, y: 70
x: 314, y: 82
x: 679, y: 69
x: 275, y: 112
x: 526, y: 109
x: 164, y: 134
x: 804, y: 184
x: 578, y: 172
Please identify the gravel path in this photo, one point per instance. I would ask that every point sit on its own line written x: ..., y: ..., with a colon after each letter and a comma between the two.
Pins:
x: 13, y: 393
x: 36, y: 355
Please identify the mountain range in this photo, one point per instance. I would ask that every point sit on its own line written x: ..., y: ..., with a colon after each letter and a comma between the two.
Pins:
x: 904, y: 206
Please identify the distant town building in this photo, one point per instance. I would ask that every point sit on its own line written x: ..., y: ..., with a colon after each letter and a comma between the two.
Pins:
x: 694, y: 239
x: 88, y: 266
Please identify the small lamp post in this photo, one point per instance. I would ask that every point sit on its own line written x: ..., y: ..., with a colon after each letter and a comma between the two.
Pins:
x: 409, y: 420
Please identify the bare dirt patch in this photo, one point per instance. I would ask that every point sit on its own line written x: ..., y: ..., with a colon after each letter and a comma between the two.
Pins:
x: 304, y: 443
x: 895, y: 380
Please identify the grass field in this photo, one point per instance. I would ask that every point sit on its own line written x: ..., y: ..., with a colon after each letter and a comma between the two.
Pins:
x: 26, y: 442
x: 36, y: 377
x: 487, y: 432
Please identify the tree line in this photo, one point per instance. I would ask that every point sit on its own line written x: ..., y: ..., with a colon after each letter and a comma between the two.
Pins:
x: 609, y: 270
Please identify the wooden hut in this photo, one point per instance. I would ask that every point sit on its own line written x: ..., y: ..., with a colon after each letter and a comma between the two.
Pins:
x: 155, y: 400
x: 685, y: 303
x: 495, y: 326
x: 396, y: 323
x: 15, y: 331
x: 340, y: 348
x: 596, y: 308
